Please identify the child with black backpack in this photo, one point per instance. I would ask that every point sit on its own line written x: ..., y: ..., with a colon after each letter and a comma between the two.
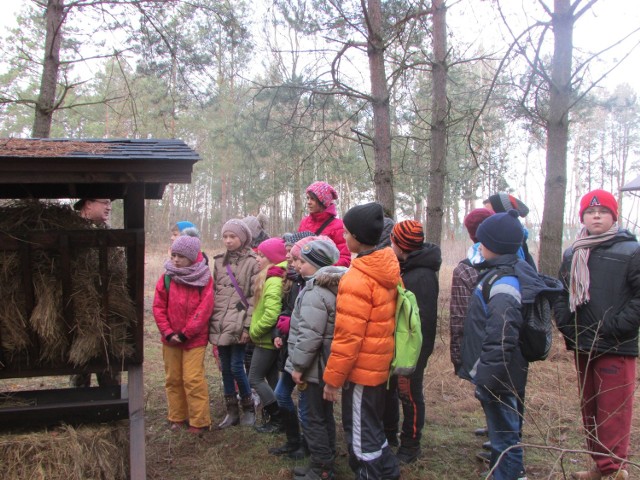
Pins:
x: 182, y: 306
x: 492, y: 353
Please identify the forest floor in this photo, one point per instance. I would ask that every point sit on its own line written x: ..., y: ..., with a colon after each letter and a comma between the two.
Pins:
x: 552, y: 433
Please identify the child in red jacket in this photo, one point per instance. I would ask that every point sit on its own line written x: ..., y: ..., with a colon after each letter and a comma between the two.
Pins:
x: 182, y: 306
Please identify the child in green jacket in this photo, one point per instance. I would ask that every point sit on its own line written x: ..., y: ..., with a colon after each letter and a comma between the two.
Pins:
x: 263, y: 374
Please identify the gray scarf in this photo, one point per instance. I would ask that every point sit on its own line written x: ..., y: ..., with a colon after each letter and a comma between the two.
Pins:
x: 195, y: 275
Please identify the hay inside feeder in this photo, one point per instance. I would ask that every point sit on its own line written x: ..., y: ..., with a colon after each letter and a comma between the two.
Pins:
x: 66, y: 453
x: 91, y: 333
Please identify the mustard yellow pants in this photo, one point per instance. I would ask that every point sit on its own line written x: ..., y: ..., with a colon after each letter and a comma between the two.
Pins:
x: 186, y: 386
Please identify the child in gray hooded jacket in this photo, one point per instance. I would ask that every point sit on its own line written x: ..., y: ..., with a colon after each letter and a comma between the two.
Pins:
x: 310, y: 336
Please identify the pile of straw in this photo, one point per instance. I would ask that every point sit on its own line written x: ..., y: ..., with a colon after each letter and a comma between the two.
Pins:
x: 90, y: 334
x: 66, y: 453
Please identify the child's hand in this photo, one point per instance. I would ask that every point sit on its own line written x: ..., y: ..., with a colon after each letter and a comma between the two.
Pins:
x: 330, y: 393
x: 244, y: 338
x: 277, y: 342
x: 297, y: 377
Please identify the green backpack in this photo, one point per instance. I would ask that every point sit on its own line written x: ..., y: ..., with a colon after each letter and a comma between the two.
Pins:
x: 408, y: 334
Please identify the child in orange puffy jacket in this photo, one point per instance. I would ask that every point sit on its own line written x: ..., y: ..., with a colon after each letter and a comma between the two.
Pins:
x: 363, y: 343
x: 182, y: 306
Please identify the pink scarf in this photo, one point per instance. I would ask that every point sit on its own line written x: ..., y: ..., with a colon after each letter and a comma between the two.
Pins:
x: 580, y: 279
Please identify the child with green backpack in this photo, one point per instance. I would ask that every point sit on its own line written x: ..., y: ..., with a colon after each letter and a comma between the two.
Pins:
x: 419, y: 265
x: 182, y: 306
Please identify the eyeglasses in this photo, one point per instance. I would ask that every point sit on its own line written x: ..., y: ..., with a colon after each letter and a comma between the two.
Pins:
x: 597, y: 211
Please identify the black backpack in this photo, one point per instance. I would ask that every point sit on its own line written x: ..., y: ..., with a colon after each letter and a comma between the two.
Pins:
x: 536, y: 336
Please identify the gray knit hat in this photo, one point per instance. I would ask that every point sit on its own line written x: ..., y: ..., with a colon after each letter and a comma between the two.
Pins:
x: 320, y: 253
x: 240, y: 229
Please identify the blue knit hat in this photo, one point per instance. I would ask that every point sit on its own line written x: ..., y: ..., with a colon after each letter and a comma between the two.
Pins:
x: 184, y: 224
x: 501, y: 233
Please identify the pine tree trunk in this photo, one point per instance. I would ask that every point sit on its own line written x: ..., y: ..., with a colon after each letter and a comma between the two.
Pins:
x: 557, y: 137
x: 438, y: 165
x: 44, y: 109
x: 383, y: 175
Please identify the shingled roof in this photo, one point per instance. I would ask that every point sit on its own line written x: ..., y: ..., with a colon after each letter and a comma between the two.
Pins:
x: 92, y: 168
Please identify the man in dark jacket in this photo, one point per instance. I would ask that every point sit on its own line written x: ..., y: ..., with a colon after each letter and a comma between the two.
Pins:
x: 419, y: 265
x: 491, y: 354
x: 599, y: 316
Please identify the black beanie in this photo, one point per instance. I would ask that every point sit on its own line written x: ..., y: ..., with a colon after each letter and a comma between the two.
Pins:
x: 501, y: 233
x: 365, y: 222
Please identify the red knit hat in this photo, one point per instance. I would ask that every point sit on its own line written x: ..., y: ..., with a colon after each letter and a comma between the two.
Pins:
x: 408, y: 235
x: 274, y: 249
x: 473, y: 220
x: 599, y: 198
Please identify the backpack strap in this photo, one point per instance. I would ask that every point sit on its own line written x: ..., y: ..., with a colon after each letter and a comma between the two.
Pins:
x: 324, y: 225
x: 167, y: 284
x: 241, y: 294
x: 492, y: 277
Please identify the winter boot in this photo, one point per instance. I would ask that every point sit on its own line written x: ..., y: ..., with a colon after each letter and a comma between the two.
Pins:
x: 233, y: 413
x: 314, y: 471
x: 274, y: 421
x: 248, y: 411
x: 407, y: 454
x: 292, y: 430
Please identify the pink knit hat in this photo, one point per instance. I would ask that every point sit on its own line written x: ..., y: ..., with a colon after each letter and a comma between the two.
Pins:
x: 323, y: 192
x: 274, y: 249
x: 297, y: 247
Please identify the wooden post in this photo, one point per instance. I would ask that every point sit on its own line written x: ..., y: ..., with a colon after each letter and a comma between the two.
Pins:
x: 134, y: 219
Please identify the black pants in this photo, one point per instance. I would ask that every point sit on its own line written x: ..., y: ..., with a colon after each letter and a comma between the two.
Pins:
x: 320, y: 430
x: 410, y: 392
x: 369, y: 454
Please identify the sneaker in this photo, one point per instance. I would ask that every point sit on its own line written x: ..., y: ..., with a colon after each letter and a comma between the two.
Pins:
x: 481, y: 432
x: 486, y: 446
x: 484, y: 456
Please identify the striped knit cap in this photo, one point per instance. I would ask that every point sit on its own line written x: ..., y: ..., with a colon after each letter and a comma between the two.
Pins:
x: 291, y: 238
x: 408, y: 235
x: 320, y: 253
x: 503, y: 202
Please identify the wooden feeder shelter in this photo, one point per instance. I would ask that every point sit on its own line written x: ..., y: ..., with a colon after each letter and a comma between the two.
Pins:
x: 131, y: 170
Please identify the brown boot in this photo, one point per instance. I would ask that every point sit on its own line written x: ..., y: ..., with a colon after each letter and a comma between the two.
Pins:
x: 233, y: 412
x: 593, y: 474
x: 619, y: 475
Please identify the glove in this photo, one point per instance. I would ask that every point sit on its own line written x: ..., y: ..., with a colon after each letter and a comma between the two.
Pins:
x: 283, y: 324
